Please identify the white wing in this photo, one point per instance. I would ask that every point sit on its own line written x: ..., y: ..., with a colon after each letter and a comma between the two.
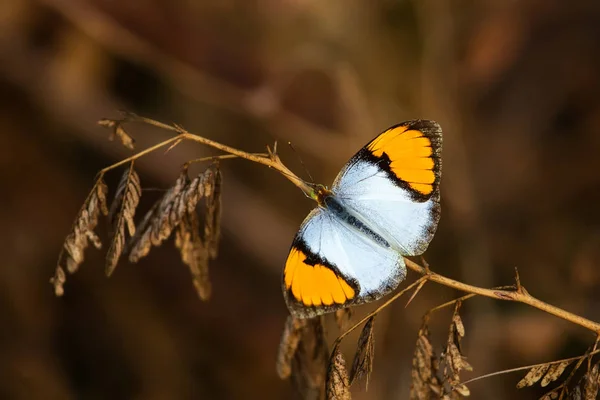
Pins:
x: 370, y: 269
x: 390, y: 210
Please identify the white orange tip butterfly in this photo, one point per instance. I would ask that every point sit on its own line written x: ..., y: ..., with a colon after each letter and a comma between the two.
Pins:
x: 383, y: 205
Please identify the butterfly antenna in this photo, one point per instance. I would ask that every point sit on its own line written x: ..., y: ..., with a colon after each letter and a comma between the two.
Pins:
x: 301, y: 162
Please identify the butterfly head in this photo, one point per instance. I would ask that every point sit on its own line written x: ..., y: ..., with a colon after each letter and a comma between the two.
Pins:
x: 319, y: 192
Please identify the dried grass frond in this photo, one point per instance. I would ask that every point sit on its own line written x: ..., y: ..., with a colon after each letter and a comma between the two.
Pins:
x: 156, y: 225
x: 292, y: 333
x: 365, y: 352
x: 425, y: 383
x: 118, y: 131
x: 309, y: 366
x: 178, y: 211
x: 212, y: 224
x: 586, y: 389
x: 533, y: 376
x: 122, y: 212
x: 82, y: 232
x: 453, y: 361
x: 194, y: 253
x: 549, y: 372
x: 338, y: 385
x: 591, y: 383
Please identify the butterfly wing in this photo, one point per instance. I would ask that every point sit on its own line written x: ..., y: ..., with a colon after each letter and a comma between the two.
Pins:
x: 392, y: 184
x: 332, y: 266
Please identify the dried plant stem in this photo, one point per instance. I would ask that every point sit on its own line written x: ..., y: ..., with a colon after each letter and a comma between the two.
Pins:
x: 221, y: 157
x: 272, y: 160
x: 381, y: 307
x: 138, y: 155
x: 527, y: 367
x: 521, y: 296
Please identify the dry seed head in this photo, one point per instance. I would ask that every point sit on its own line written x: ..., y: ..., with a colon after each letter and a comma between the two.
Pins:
x: 288, y: 345
x: 365, y: 352
x: 592, y: 383
x: 213, y: 215
x: 82, y: 231
x: 554, y: 372
x: 193, y: 253
x: 533, y: 376
x: 337, y: 385
x: 122, y: 212
x: 151, y: 231
x: 425, y: 384
x: 309, y: 366
x: 458, y: 324
x: 118, y: 131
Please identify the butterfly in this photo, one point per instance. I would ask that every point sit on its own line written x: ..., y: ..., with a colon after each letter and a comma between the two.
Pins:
x: 382, y: 206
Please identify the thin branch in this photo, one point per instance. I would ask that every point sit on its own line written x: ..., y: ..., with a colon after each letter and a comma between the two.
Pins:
x: 220, y: 157
x: 417, y: 290
x: 515, y: 296
x: 381, y: 307
x: 272, y: 161
x: 138, y: 155
x: 527, y: 367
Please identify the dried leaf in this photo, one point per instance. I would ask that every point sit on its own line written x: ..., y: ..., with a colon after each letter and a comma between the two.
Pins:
x: 58, y: 281
x: 82, y: 232
x: 365, y: 352
x: 460, y: 328
x: 194, y: 253
x: 108, y: 123
x: 151, y: 231
x: 212, y: 225
x: 462, y: 389
x: 343, y: 317
x: 554, y: 372
x: 126, y: 140
x: 337, y: 386
x: 178, y: 210
x: 452, y: 358
x: 292, y: 333
x: 552, y: 395
x: 458, y: 361
x: 140, y: 243
x: 126, y: 200
x: 118, y: 131
x: 533, y: 376
x: 101, y: 192
x: 425, y: 384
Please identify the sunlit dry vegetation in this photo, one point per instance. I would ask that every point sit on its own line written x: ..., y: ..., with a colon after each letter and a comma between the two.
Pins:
x: 303, y: 351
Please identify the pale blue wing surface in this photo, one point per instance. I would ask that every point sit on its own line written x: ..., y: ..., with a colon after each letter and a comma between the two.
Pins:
x: 366, y: 191
x: 377, y: 269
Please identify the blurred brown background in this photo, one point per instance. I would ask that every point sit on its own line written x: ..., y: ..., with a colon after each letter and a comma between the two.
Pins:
x: 514, y: 85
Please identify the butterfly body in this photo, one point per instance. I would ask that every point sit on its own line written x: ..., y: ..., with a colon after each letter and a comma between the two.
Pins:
x: 383, y: 205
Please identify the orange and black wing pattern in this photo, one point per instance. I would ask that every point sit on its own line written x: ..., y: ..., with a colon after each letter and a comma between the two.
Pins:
x: 313, y: 285
x: 410, y: 153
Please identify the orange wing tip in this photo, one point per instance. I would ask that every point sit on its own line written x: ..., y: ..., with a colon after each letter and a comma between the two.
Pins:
x: 412, y: 152
x: 314, y: 285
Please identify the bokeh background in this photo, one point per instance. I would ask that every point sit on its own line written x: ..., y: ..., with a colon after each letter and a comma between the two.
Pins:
x: 514, y: 85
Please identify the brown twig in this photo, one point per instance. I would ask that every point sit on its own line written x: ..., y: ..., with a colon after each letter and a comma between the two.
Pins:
x: 508, y: 295
x: 527, y: 367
